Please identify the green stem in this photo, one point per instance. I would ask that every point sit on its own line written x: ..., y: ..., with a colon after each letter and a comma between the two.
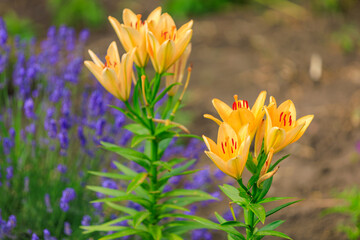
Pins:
x: 153, y: 182
x: 249, y: 220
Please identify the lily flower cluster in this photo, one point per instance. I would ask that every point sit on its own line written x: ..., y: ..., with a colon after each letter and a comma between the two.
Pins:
x: 156, y: 38
x: 272, y: 128
x: 239, y: 126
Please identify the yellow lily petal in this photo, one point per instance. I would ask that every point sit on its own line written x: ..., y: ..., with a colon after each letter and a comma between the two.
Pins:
x: 240, y: 117
x: 95, y: 59
x: 208, y: 116
x: 129, y: 17
x: 259, y: 104
x: 219, y: 163
x: 259, y: 138
x: 237, y: 166
x: 155, y: 15
x: 210, y: 144
x: 275, y: 138
x: 109, y: 80
x: 222, y: 108
x: 165, y: 55
x: 306, y: 120
x: 182, y: 43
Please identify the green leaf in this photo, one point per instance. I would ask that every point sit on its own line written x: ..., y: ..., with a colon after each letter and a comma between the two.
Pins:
x: 272, y: 226
x: 177, y: 171
x: 139, y: 217
x: 111, y: 175
x: 172, y: 236
x: 234, y: 194
x: 258, y: 210
x: 252, y: 180
x: 137, y: 129
x: 136, y: 182
x: 272, y: 199
x: 211, y: 225
x: 272, y: 233
x: 277, y: 162
x: 184, y: 201
x: 125, y: 169
x: 265, y: 188
x: 164, y: 165
x: 220, y: 218
x: 234, y: 224
x: 121, y: 208
x: 90, y: 229
x: 181, y: 226
x: 250, y: 165
x: 137, y: 139
x: 162, y: 94
x: 106, y: 191
x: 172, y: 207
x: 128, y: 153
x: 274, y: 210
x: 187, y: 192
x: 123, y: 233
x: 155, y: 231
x: 143, y: 202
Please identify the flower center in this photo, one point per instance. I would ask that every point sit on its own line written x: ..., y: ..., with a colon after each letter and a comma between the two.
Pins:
x: 138, y: 23
x: 229, y: 147
x: 165, y: 35
x: 108, y: 63
x: 285, y: 119
x: 237, y: 104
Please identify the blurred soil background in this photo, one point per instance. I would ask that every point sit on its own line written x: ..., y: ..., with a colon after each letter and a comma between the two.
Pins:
x: 243, y: 49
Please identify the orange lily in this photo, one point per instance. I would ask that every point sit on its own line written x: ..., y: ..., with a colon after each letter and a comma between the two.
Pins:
x: 240, y: 114
x: 231, y: 151
x: 166, y: 43
x: 114, y: 75
x: 132, y: 33
x: 178, y: 70
x: 281, y: 126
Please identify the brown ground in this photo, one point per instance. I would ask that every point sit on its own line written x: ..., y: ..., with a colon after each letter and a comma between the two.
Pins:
x: 244, y: 51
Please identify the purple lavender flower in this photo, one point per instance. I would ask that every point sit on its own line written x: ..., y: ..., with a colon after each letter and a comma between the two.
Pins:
x: 86, y: 220
x: 126, y: 136
x: 67, y: 229
x: 68, y: 195
x: 34, y: 237
x: 52, y: 128
x: 81, y: 136
x: 63, y: 139
x: 61, y: 168
x: 31, y: 128
x: 7, y: 145
x: 9, y: 172
x: 84, y: 35
x: 3, y: 32
x: 48, y: 203
x: 201, y: 234
x: 99, y: 126
x: 29, y: 108
x: 218, y: 174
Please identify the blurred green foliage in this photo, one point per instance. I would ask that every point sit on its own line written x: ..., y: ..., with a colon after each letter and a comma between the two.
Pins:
x: 22, y: 27
x: 333, y: 6
x: 348, y: 38
x: 77, y: 13
x: 350, y: 208
x: 181, y: 8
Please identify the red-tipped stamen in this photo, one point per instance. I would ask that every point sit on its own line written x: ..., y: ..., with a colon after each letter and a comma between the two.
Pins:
x: 281, y: 116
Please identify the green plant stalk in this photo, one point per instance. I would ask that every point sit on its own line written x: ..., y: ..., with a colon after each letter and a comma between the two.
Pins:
x: 249, y: 220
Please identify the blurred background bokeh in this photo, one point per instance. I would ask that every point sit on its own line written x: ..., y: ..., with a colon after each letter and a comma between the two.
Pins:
x: 307, y: 51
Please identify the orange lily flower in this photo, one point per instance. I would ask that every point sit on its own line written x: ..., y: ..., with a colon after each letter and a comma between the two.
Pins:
x: 281, y: 126
x: 165, y: 42
x: 114, y: 75
x: 178, y: 70
x: 231, y: 151
x: 240, y: 114
x: 132, y: 33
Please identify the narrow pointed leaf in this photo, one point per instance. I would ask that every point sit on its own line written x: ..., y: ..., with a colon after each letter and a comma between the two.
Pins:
x: 259, y: 211
x: 274, y: 210
x: 277, y: 162
x: 111, y: 175
x: 136, y: 182
x: 107, y: 191
x: 272, y: 226
x: 139, y: 217
x: 137, y: 129
x: 272, y: 233
x: 272, y: 199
